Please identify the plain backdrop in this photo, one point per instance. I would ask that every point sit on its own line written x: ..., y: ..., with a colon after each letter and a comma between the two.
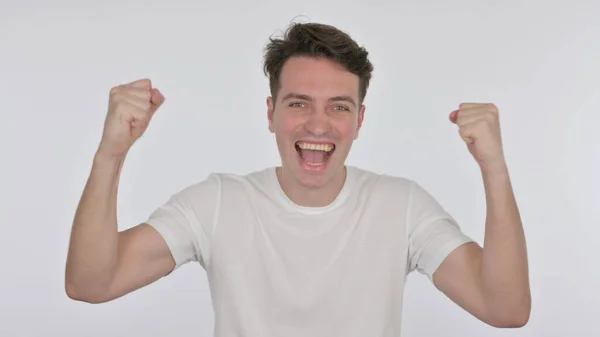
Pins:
x: 538, y: 61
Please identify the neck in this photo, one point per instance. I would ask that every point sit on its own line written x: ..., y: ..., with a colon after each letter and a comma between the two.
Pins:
x: 307, y: 196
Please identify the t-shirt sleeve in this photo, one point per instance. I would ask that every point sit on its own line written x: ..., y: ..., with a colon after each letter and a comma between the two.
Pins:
x: 432, y: 233
x: 186, y: 221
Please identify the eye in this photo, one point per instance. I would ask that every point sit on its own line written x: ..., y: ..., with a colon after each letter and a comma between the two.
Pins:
x: 296, y: 104
x: 341, y: 108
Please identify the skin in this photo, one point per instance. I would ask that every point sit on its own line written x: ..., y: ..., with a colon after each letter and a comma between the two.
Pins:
x: 491, y: 283
x: 103, y: 263
x: 318, y: 102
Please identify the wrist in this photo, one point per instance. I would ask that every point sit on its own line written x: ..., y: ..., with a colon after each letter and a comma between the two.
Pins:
x: 499, y: 169
x: 105, y: 159
x: 495, y: 175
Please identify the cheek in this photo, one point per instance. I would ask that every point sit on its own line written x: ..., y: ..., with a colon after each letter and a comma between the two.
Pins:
x: 347, y: 130
x: 286, y: 125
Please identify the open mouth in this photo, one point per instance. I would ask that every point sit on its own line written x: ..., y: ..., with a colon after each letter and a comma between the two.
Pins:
x: 315, y: 154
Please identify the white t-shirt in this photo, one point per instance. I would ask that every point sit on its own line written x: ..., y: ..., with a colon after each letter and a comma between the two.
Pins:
x: 278, y: 269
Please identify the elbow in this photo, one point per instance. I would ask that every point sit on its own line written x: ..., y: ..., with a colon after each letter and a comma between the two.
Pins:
x: 514, y: 322
x: 82, y: 293
x: 521, y: 321
x: 508, y: 312
x: 512, y: 319
x: 521, y: 314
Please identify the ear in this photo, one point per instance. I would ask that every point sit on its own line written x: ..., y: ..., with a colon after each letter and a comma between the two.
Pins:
x: 270, y: 113
x: 361, y: 117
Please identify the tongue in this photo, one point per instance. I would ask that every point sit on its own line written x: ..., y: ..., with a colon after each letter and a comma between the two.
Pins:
x: 313, y: 157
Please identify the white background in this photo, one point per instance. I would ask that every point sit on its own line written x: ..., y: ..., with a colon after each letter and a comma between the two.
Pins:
x: 539, y: 62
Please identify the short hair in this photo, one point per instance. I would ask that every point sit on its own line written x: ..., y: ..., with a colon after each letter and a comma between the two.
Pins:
x: 319, y: 41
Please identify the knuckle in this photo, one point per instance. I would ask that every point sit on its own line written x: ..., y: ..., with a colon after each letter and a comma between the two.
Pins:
x: 147, y: 95
x: 118, y: 97
x: 491, y: 117
x: 493, y: 108
x: 114, y: 91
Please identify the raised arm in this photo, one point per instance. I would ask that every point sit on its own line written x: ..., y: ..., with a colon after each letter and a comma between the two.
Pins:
x: 492, y: 282
x: 103, y: 263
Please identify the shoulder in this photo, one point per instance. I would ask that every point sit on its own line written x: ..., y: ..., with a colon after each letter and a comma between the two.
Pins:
x: 227, y: 182
x: 384, y: 183
x: 391, y: 184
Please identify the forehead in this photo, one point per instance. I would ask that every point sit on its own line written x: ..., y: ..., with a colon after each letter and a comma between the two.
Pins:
x: 319, y: 78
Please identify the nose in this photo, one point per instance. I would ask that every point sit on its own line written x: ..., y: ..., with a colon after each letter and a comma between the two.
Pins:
x: 318, y: 122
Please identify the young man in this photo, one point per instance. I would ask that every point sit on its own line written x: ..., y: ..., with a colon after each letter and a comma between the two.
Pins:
x: 313, y: 247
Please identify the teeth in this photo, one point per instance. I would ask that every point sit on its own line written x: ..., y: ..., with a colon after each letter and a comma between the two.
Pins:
x: 315, y: 147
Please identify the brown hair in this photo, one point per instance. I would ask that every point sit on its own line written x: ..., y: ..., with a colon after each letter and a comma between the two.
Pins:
x: 317, y: 40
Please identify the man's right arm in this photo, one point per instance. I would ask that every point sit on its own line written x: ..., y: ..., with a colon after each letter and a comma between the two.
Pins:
x: 103, y: 263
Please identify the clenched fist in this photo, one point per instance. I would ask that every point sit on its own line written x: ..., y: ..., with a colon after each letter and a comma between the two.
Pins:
x: 130, y: 109
x: 479, y: 126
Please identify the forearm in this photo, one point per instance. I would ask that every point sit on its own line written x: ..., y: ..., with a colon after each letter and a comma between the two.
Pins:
x: 505, y: 272
x: 93, y: 246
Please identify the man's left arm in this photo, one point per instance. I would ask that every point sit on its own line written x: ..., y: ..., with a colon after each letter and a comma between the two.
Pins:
x: 492, y: 282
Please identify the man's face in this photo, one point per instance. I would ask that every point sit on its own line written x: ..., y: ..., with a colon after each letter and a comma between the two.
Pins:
x: 315, y: 120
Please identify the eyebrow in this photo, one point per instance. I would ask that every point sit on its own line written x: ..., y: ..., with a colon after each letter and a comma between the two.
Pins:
x: 342, y: 98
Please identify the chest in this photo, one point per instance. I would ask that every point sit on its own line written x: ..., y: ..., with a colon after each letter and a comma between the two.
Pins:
x: 260, y: 240
x: 301, y: 274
